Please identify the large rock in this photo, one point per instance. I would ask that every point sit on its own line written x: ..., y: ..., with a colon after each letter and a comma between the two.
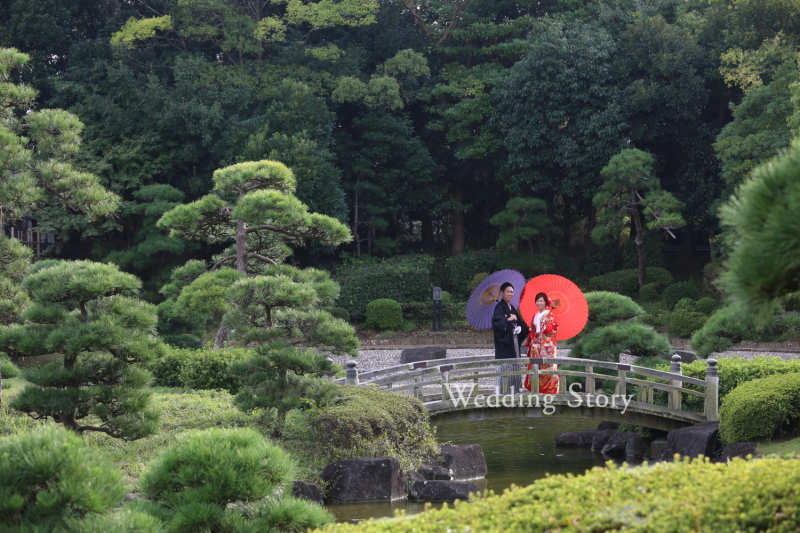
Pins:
x: 581, y: 438
x: 464, y: 461
x: 637, y: 447
x: 606, y: 426
x: 364, y: 479
x: 436, y: 472
x: 431, y: 491
x: 658, y: 449
x: 307, y: 491
x: 737, y: 449
x: 423, y: 353
x: 618, y: 443
x: 691, y: 441
x: 601, y: 438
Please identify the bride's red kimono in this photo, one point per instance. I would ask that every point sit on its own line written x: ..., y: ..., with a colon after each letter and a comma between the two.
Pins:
x: 543, y: 344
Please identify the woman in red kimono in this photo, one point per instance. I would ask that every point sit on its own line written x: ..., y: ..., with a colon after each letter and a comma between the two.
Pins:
x: 542, y: 343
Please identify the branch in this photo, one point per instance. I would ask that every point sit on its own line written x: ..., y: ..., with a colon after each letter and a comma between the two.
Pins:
x: 261, y: 257
x: 276, y: 229
x: 107, y: 431
x: 218, y: 263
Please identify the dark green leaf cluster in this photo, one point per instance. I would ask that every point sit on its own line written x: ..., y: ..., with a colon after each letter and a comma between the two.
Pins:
x: 205, y: 369
x: 460, y: 270
x: 384, y: 313
x: 677, y: 292
x: 685, y: 323
x: 627, y: 281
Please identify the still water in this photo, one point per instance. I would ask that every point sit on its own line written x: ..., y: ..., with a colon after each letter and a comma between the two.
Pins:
x: 518, y: 451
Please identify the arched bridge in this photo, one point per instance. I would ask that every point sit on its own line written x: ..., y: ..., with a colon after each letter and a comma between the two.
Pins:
x: 453, y: 389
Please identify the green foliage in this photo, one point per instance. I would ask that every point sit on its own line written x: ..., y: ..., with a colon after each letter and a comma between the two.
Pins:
x: 762, y: 409
x: 765, y: 261
x: 8, y: 369
x: 49, y: 480
x: 13, y: 300
x: 732, y: 324
x: 36, y: 148
x: 685, y: 323
x: 279, y: 378
x: 606, y: 343
x: 657, y: 498
x: 80, y: 311
x: 687, y: 305
x: 383, y: 314
x: 677, y: 291
x: 649, y: 292
x: 205, y: 369
x: 605, y: 308
x: 627, y: 281
x: 284, y: 304
x: 193, y: 483
x: 530, y: 266
x: 366, y: 422
x: 403, y: 279
x: 337, y: 312
x: 733, y: 371
x: 706, y: 305
x: 522, y: 220
x: 461, y: 269
x: 14, y: 258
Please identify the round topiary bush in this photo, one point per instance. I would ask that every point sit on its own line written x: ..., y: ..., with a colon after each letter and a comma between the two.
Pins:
x: 706, y: 305
x: 608, y: 307
x: 685, y: 323
x: 649, y: 293
x: 687, y: 305
x: 762, y: 409
x: 384, y: 314
x: 606, y: 343
x: 673, y: 294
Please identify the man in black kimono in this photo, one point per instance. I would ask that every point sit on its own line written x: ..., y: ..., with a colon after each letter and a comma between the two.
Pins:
x: 510, y: 331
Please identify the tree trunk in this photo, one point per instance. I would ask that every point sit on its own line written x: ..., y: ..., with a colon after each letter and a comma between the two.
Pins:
x: 637, y: 221
x: 459, y: 236
x: 355, y: 221
x: 427, y: 232
x: 565, y: 237
x: 688, y: 248
x: 241, y: 246
x: 712, y: 245
x: 219, y: 340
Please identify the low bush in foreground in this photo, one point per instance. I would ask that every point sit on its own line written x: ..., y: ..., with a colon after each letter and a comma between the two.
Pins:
x: 759, y: 495
x: 762, y: 409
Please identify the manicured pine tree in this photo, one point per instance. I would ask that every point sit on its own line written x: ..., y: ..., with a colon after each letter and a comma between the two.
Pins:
x: 83, y: 311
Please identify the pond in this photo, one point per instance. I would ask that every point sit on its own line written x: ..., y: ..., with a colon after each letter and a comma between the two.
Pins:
x: 518, y: 451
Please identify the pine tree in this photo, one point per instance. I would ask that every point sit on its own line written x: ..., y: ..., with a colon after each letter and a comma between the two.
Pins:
x: 83, y: 310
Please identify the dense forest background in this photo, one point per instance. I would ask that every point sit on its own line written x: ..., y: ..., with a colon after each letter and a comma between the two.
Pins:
x: 438, y: 127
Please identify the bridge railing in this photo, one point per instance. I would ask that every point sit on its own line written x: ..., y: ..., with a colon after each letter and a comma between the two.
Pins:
x: 415, y: 378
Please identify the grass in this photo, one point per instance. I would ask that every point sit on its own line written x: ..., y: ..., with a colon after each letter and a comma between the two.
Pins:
x: 779, y: 448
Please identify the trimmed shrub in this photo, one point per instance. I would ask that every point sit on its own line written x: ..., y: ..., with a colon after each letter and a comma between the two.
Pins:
x: 685, y: 323
x: 367, y: 422
x: 196, y: 479
x: 461, y: 269
x: 605, y: 308
x: 758, y: 495
x: 338, y: 312
x: 8, y: 369
x: 403, y: 279
x: 606, y: 343
x: 476, y: 280
x: 205, y: 369
x: 687, y: 305
x: 627, y: 281
x: 452, y: 312
x: 762, y: 409
x: 677, y: 291
x: 733, y: 371
x: 649, y: 293
x: 48, y: 478
x: 384, y: 314
x: 731, y: 324
x: 706, y: 305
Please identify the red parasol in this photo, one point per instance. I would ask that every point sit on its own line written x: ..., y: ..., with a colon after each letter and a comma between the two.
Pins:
x: 569, y: 306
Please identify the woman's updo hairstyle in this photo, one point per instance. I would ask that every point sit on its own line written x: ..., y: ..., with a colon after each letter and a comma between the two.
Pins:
x: 547, y: 301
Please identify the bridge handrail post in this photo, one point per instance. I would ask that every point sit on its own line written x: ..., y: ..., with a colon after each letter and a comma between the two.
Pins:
x: 351, y: 376
x: 675, y: 397
x: 712, y: 391
x: 622, y: 386
x: 590, y: 383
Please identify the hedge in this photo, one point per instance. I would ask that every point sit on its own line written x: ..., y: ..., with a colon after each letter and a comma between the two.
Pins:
x: 649, y: 293
x: 706, y: 305
x: 762, y: 409
x: 204, y: 369
x: 368, y: 422
x: 758, y: 495
x: 627, y: 281
x: 685, y: 323
x: 403, y: 279
x: 677, y: 291
x: 384, y: 314
x: 733, y: 371
x: 731, y: 324
x: 460, y: 270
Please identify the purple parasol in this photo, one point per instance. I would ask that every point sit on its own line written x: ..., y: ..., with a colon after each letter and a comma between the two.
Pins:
x: 480, y: 306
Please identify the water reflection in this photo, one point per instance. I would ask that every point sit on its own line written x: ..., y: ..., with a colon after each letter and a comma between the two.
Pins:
x: 518, y: 451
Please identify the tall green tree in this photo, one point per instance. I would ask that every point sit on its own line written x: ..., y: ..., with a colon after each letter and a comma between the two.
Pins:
x: 631, y: 193
x: 84, y: 311
x: 523, y: 220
